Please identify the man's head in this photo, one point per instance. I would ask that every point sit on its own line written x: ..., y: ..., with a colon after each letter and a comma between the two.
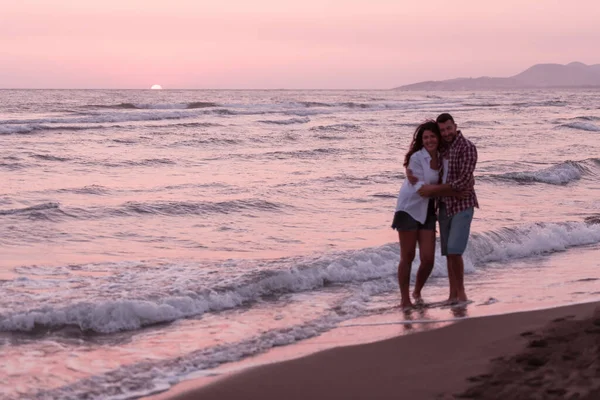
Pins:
x: 447, y: 127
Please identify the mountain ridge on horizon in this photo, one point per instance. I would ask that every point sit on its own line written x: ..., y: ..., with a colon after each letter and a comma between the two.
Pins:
x: 538, y: 76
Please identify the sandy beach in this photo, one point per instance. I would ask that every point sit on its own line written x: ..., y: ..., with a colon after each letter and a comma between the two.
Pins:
x: 545, y: 354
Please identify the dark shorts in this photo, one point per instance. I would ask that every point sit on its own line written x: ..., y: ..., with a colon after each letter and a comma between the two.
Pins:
x: 404, y: 222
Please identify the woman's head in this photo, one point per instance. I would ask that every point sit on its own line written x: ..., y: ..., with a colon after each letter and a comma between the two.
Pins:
x: 427, y: 135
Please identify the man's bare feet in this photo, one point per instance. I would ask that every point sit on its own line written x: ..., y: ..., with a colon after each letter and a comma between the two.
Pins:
x: 451, y: 301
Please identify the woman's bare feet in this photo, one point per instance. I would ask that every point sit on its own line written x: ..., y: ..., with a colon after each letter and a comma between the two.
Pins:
x: 418, y: 299
x: 406, y: 305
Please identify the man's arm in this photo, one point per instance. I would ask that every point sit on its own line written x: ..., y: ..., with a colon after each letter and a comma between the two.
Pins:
x: 442, y: 189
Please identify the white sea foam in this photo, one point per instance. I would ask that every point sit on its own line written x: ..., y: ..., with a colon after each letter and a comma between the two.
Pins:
x: 151, y: 376
x: 374, y: 266
x: 124, y: 314
x: 530, y: 240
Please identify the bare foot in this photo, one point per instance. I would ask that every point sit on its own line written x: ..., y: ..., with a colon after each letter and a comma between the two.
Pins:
x: 451, y: 301
x: 418, y: 299
x: 459, y: 310
x: 406, y: 305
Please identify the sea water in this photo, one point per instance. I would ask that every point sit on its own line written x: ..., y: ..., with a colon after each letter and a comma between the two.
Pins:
x: 147, y: 235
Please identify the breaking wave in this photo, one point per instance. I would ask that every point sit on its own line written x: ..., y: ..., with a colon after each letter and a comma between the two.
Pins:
x: 559, y: 174
x: 25, y: 210
x: 582, y: 126
x: 183, y: 298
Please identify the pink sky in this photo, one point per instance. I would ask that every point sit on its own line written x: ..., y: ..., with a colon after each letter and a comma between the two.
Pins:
x: 291, y: 44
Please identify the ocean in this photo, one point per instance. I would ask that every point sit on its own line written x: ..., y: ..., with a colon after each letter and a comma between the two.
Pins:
x: 149, y: 235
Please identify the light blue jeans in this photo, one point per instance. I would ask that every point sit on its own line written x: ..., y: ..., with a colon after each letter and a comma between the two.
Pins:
x: 455, y: 230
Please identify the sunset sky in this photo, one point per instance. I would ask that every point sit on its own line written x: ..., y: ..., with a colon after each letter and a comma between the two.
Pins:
x: 291, y: 44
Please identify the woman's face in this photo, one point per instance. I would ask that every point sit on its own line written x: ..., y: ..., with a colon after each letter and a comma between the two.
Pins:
x: 430, y: 141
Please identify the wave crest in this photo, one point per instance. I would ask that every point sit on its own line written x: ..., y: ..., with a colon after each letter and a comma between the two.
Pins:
x: 151, y: 106
x: 286, y: 121
x: 174, y: 208
x: 559, y: 174
x: 582, y: 126
x: 38, y: 207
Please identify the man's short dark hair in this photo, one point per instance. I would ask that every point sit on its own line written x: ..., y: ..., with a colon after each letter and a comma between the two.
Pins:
x: 443, y: 118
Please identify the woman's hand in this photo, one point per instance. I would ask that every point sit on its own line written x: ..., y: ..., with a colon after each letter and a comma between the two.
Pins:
x: 427, y: 190
x: 411, y: 178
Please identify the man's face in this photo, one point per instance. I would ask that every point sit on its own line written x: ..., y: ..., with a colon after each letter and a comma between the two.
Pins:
x: 448, y: 131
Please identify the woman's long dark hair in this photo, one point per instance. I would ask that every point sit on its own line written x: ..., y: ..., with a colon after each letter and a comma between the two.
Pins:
x: 417, y: 141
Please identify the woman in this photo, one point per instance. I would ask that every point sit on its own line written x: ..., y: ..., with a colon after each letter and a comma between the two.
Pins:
x: 415, y: 215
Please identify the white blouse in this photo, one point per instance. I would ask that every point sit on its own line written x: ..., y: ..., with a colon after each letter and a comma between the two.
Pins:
x: 408, y: 198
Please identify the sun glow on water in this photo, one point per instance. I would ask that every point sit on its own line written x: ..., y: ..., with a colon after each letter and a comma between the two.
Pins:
x: 156, y: 87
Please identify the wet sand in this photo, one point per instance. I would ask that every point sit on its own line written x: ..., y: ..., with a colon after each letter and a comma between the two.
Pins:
x: 544, y: 354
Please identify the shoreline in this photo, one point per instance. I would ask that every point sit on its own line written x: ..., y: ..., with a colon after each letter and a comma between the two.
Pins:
x: 343, y: 364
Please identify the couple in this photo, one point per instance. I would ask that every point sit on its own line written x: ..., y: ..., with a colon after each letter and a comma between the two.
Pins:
x: 439, y: 185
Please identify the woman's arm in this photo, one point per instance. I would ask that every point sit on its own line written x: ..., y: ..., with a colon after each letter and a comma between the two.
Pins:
x: 418, y: 173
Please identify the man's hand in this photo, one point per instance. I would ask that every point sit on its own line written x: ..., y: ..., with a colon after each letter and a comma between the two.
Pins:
x: 411, y: 178
x: 427, y: 190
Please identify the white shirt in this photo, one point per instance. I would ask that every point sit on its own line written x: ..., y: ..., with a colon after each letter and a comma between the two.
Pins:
x: 445, y: 173
x: 408, y: 198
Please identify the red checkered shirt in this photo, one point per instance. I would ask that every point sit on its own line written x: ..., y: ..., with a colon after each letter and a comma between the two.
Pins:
x: 462, y: 158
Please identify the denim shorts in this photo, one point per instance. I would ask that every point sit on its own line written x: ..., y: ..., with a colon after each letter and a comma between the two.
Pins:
x: 404, y: 222
x: 455, y: 230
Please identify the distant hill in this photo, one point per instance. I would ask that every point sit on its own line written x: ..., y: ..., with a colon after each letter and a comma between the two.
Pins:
x: 572, y: 75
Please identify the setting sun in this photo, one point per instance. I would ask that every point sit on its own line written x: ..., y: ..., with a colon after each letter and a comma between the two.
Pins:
x: 156, y: 87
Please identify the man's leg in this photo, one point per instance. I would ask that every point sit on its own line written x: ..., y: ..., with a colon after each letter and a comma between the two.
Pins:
x: 455, y: 261
x: 453, y: 295
x: 457, y: 243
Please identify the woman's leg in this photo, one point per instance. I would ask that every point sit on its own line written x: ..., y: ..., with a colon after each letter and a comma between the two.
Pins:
x: 408, y: 244
x: 426, y: 240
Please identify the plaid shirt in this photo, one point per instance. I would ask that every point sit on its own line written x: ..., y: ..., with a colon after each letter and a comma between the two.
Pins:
x: 462, y: 158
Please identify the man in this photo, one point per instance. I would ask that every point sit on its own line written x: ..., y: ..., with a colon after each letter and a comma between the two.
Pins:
x: 455, y: 212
